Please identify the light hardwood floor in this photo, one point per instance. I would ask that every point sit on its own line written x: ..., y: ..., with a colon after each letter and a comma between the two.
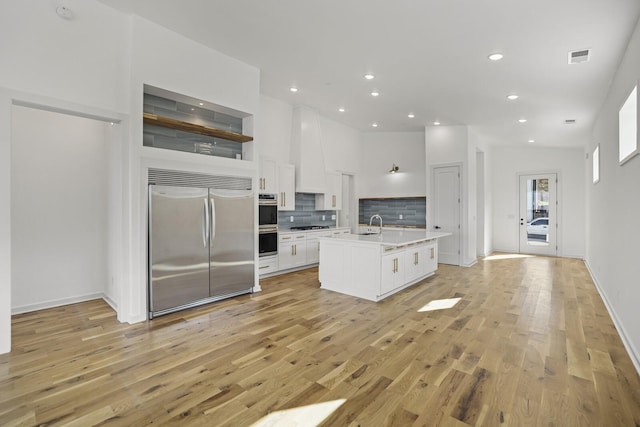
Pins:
x: 529, y: 343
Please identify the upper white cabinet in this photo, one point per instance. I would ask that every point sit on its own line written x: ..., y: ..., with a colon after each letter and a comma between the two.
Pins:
x: 286, y: 187
x: 306, y: 151
x: 267, y: 181
x: 331, y: 198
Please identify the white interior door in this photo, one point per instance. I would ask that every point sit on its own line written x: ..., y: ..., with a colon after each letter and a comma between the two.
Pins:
x: 538, y: 217
x: 446, y: 212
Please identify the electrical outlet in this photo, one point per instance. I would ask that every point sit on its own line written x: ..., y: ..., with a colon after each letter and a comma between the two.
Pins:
x: 333, y: 217
x: 400, y: 216
x: 291, y: 218
x: 323, y: 217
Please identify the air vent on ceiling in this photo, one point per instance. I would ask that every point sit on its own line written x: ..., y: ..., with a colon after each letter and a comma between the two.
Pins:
x: 578, y: 56
x: 570, y: 122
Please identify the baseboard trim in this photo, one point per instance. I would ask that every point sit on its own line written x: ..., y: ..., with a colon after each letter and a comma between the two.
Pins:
x: 111, y: 302
x: 634, y: 354
x: 471, y: 264
x: 56, y: 303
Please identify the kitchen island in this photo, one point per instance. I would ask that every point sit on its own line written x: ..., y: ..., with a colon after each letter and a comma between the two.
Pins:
x: 374, y: 266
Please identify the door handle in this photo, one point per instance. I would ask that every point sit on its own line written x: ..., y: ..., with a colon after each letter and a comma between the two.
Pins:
x: 212, y: 233
x: 205, y: 225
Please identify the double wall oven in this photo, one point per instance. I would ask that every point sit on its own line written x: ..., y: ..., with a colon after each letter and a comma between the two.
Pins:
x: 268, y: 224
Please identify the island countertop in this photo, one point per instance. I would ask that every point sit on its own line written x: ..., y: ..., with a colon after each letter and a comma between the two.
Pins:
x: 392, y: 237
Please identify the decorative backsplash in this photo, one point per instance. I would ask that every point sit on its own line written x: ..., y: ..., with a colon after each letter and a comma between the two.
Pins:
x: 412, y: 209
x: 305, y: 213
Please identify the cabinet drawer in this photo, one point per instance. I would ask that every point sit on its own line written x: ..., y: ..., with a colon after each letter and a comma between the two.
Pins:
x: 268, y: 264
x: 291, y: 237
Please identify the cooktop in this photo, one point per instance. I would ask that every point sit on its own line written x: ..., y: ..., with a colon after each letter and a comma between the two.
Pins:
x: 310, y: 227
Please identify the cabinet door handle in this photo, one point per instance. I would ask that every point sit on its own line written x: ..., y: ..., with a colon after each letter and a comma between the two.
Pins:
x: 264, y: 266
x: 415, y: 258
x: 432, y: 253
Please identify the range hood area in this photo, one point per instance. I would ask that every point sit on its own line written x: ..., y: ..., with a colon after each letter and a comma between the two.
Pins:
x: 307, y: 152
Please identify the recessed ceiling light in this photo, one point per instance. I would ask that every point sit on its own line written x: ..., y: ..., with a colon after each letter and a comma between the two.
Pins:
x: 201, y: 104
x: 375, y: 125
x: 411, y: 115
x: 193, y: 109
x: 496, y: 56
x: 436, y: 123
x: 293, y: 89
x: 512, y: 97
x: 375, y: 93
x: 531, y: 141
x: 522, y: 120
x: 369, y: 76
x: 341, y: 109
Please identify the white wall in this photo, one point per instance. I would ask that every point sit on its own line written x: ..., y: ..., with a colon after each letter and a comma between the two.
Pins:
x: 378, y: 152
x: 569, y: 163
x: 58, y: 209
x: 81, y: 60
x: 613, y: 205
x: 275, y: 127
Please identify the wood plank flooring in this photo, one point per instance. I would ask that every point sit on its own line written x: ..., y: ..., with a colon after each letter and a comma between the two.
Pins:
x: 529, y: 343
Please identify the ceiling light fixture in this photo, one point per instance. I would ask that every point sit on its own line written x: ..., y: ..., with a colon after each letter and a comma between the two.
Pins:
x: 375, y: 93
x: 512, y: 97
x: 293, y: 89
x: 369, y: 76
x: 411, y: 115
x: 341, y: 109
x: 436, y: 123
x: 522, y: 120
x: 496, y: 56
x: 394, y: 168
x: 531, y: 141
x: 375, y: 125
x: 201, y: 104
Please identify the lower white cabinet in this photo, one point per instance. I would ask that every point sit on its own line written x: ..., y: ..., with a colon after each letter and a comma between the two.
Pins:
x: 372, y: 271
x: 268, y: 264
x: 299, y: 249
x: 292, y: 251
x: 393, y: 269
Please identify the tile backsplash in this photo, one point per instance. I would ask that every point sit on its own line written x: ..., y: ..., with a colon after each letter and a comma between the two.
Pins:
x: 412, y: 209
x: 305, y: 213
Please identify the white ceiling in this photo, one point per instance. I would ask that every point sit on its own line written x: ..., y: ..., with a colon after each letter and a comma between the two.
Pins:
x: 429, y: 58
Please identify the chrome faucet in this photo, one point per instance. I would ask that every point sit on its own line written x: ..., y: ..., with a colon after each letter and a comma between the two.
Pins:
x: 373, y: 217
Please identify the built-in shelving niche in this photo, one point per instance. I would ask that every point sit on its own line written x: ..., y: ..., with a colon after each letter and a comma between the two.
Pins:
x: 180, y: 123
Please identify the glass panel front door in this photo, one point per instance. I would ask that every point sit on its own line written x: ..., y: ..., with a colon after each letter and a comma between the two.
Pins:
x: 538, y: 214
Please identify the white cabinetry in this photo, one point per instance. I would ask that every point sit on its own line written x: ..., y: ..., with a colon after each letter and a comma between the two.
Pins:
x: 292, y: 251
x: 331, y: 199
x: 286, y: 187
x: 268, y: 264
x: 415, y: 259
x: 393, y: 271
x: 374, y: 271
x: 300, y: 249
x: 267, y: 181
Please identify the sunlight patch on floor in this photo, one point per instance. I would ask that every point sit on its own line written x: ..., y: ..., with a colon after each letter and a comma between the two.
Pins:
x: 506, y: 256
x: 439, y: 304
x: 304, y: 416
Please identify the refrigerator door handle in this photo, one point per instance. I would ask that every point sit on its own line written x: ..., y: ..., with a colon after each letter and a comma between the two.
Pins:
x: 205, y: 225
x: 212, y: 233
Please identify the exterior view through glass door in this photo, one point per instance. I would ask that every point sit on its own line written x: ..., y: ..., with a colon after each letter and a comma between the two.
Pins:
x: 538, y: 224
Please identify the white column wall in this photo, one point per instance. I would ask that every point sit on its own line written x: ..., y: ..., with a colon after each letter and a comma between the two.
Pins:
x: 613, y: 205
x: 379, y: 151
x: 448, y: 145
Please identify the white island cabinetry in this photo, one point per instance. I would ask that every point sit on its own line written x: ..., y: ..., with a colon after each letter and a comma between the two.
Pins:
x: 376, y: 266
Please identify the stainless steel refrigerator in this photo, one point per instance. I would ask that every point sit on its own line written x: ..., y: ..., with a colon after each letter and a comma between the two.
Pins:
x: 201, y: 246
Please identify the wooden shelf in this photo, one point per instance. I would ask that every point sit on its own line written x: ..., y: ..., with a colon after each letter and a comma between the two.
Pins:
x: 166, y: 122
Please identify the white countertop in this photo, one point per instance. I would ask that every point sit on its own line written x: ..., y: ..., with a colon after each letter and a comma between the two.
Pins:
x: 391, y: 237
